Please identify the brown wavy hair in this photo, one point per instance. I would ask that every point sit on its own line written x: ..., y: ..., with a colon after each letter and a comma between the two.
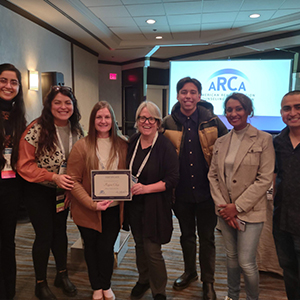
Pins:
x: 17, y: 114
x: 91, y: 140
x: 48, y: 132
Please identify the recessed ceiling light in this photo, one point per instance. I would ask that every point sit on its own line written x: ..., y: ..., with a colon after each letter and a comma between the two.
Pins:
x: 254, y: 16
x: 150, y: 21
x: 159, y: 37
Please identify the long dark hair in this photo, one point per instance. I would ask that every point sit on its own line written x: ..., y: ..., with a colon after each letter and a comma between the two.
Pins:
x: 17, y: 115
x: 48, y: 132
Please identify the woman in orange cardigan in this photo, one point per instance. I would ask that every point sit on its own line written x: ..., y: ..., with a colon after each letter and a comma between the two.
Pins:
x: 43, y: 154
x: 98, y: 222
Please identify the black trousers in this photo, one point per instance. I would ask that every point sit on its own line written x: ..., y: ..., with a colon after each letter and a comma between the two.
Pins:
x: 201, y: 216
x: 99, y: 248
x: 49, y: 226
x: 10, y: 193
x: 149, y: 258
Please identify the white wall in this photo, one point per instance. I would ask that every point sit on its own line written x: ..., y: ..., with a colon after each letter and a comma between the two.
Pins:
x: 155, y: 94
x: 31, y: 47
x: 296, y: 81
x: 86, y: 83
x: 111, y: 90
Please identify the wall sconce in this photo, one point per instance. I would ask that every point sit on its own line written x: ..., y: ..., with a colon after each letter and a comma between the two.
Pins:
x: 33, y: 77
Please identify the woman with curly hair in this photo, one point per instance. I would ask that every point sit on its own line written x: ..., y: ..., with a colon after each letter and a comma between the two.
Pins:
x: 43, y: 154
x: 12, y: 125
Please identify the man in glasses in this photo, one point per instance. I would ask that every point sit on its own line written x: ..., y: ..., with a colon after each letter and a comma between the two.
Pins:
x: 193, y: 129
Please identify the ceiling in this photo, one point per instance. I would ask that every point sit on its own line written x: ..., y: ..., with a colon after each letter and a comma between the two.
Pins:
x: 210, y: 29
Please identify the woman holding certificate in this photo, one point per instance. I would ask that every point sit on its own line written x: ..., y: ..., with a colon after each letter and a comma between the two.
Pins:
x: 99, y: 222
x: 43, y: 153
x: 240, y: 174
x: 12, y: 125
x: 154, y: 164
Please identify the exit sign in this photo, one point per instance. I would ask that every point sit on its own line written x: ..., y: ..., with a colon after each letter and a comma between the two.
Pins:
x: 113, y: 76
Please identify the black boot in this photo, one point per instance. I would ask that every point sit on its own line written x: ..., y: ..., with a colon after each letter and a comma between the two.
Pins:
x: 139, y: 290
x: 209, y: 291
x: 62, y: 280
x: 43, y: 292
x: 184, y: 280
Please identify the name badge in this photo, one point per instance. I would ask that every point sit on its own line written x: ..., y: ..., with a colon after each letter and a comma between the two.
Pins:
x: 7, y: 171
x: 134, y: 180
x: 63, y: 168
x: 60, y: 200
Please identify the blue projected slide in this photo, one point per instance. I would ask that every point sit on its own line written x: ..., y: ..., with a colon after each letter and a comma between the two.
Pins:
x: 264, y: 81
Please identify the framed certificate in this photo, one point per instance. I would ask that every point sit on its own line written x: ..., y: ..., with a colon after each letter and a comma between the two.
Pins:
x: 111, y: 185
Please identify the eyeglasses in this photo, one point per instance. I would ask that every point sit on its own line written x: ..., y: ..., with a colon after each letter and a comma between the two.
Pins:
x: 14, y: 83
x: 61, y: 88
x: 143, y: 119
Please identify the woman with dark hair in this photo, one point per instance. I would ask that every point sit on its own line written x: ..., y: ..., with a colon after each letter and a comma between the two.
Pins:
x: 12, y: 125
x: 99, y: 222
x: 43, y: 153
x: 240, y: 174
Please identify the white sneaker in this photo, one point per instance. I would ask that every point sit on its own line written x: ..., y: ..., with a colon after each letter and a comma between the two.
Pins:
x: 227, y: 298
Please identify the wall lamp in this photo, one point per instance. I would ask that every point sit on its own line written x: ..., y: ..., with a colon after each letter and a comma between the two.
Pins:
x: 33, y: 80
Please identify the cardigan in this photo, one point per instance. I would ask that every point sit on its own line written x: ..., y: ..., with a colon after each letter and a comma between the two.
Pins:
x: 39, y: 169
x: 83, y: 208
x: 162, y: 165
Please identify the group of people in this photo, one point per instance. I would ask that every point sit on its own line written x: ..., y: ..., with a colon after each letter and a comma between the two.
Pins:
x: 186, y: 162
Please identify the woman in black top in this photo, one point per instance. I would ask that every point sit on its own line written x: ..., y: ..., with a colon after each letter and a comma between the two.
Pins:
x: 12, y: 125
x: 154, y: 164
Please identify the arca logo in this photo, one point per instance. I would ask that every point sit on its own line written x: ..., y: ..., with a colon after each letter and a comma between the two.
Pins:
x: 228, y: 79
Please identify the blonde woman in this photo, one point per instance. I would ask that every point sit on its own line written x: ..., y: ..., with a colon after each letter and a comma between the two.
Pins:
x: 153, y: 161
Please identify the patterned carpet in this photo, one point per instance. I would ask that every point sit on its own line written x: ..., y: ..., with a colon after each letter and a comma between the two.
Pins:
x: 125, y: 276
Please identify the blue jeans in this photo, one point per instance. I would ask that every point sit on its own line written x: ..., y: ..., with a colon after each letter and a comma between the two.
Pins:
x: 288, y: 251
x: 241, y: 249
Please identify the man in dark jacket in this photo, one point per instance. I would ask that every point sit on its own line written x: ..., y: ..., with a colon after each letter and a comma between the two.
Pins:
x: 286, y: 221
x: 193, y: 128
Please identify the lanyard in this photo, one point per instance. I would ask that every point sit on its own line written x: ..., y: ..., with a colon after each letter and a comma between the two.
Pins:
x: 60, y: 141
x: 100, y: 161
x: 145, y: 159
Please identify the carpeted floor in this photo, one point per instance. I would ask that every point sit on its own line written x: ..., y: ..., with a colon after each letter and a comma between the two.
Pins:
x: 125, y: 276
